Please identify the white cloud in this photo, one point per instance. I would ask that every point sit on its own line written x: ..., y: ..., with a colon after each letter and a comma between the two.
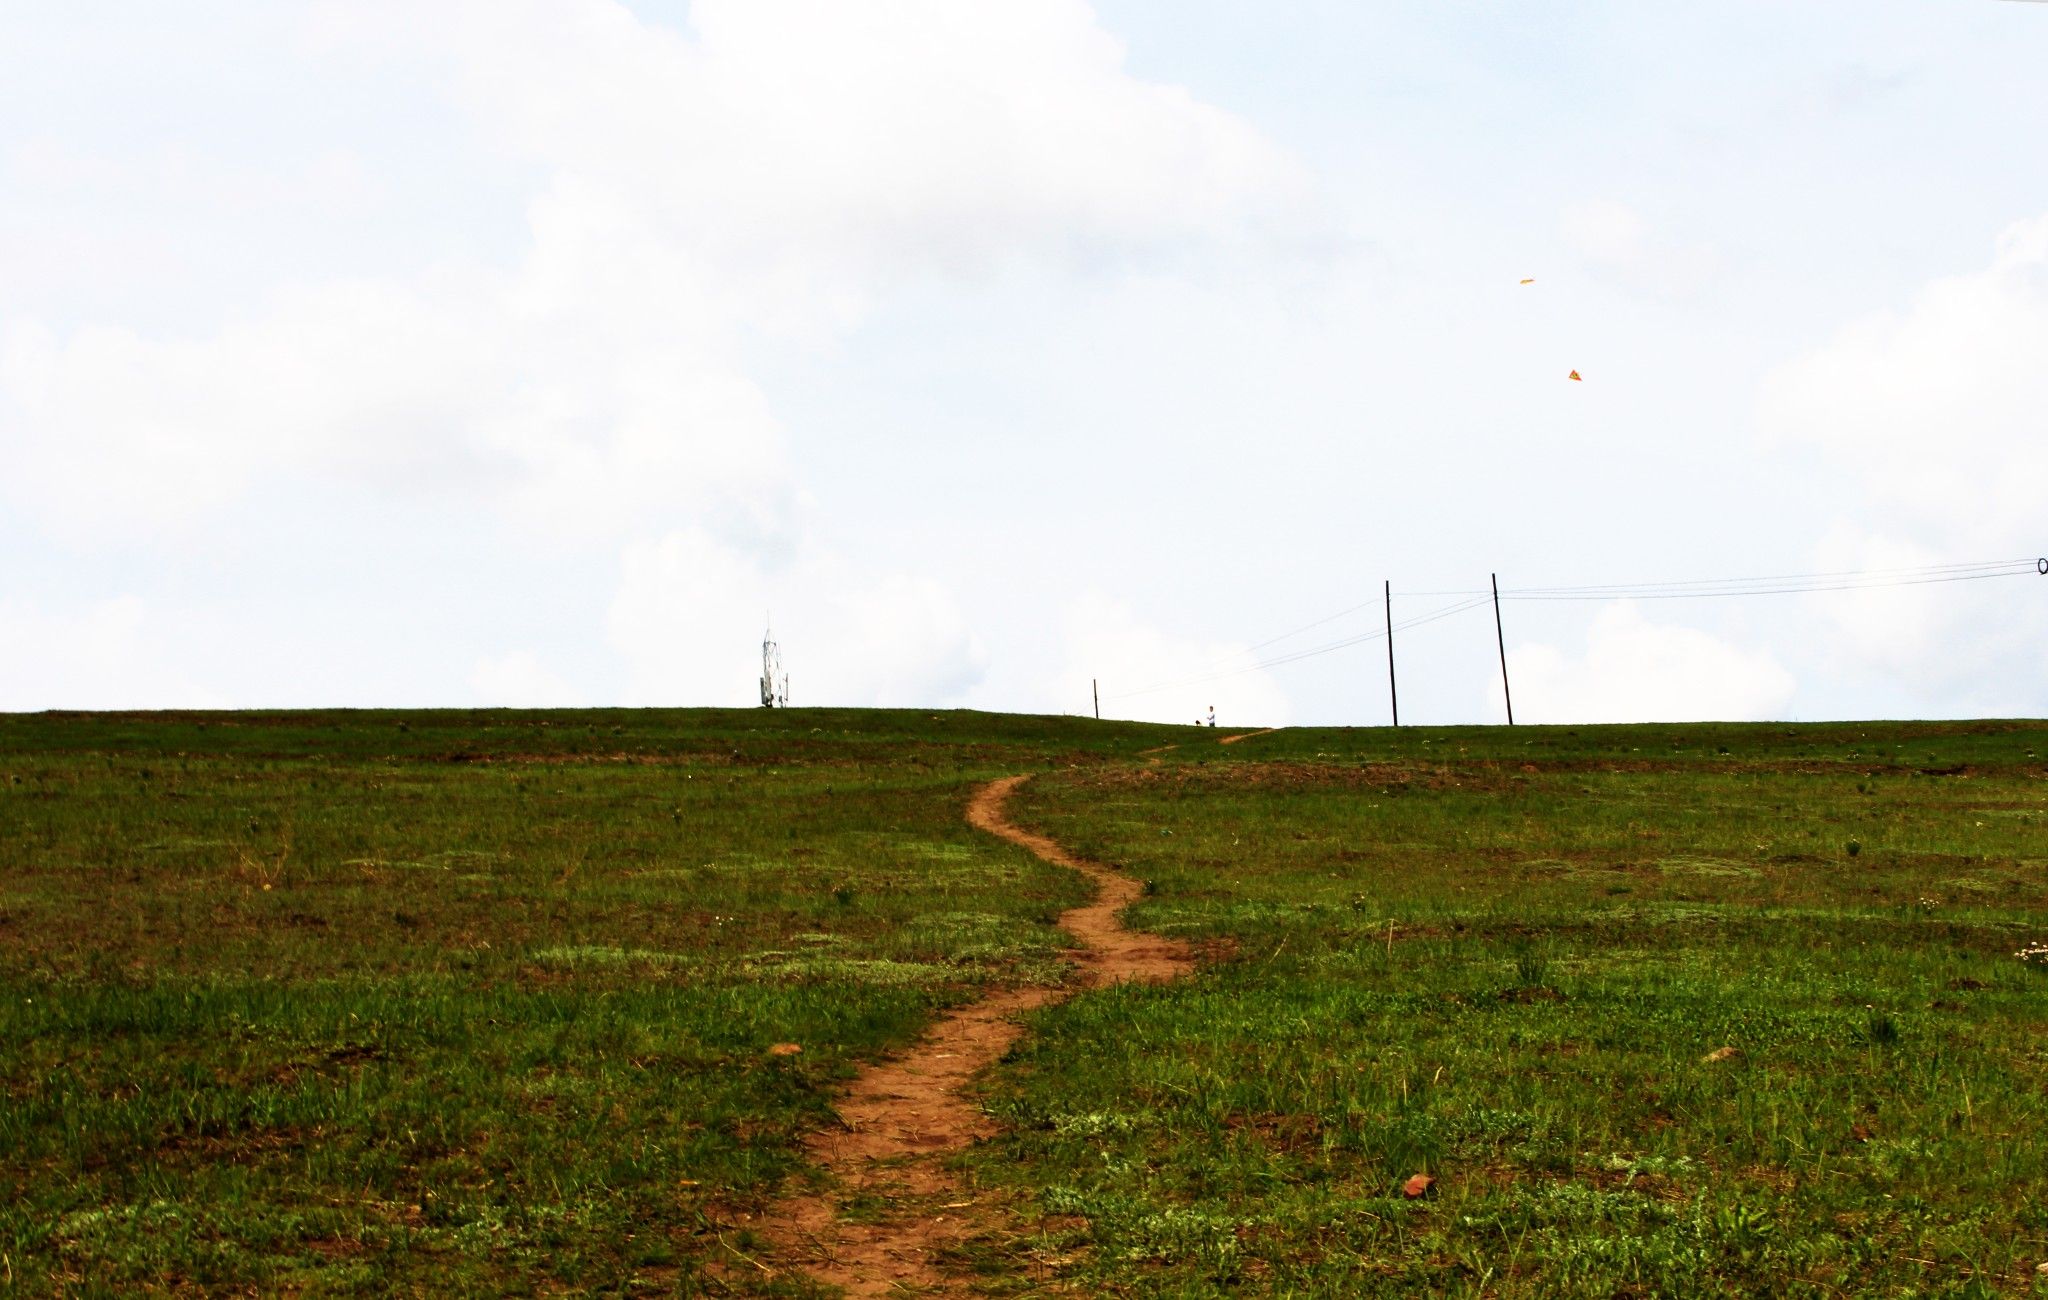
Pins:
x: 177, y: 177
x: 1933, y: 417
x: 885, y: 136
x: 1893, y: 629
x: 113, y: 431
x: 1937, y: 410
x: 109, y: 655
x: 581, y: 394
x: 1633, y: 670
x: 1929, y: 648
x: 1616, y: 241
x: 689, y: 609
x: 1606, y: 232
x: 766, y: 174
x: 1106, y: 641
x: 519, y: 680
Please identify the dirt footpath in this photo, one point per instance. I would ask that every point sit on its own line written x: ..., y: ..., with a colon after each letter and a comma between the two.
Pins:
x: 903, y: 1116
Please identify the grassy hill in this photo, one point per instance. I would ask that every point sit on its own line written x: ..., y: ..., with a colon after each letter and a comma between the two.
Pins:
x: 481, y: 1002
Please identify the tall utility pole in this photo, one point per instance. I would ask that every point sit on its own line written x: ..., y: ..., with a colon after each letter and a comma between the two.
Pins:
x: 1393, y: 695
x: 1501, y: 640
x: 1095, y: 686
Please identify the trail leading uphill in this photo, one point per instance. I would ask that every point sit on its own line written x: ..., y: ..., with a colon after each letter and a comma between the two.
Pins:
x: 902, y: 1117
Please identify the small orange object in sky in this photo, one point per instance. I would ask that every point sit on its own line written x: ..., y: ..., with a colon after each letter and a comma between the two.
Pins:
x: 1575, y: 377
x: 1528, y: 282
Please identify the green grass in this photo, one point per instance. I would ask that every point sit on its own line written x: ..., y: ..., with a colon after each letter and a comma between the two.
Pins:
x: 474, y: 1003
x: 480, y: 1003
x: 1501, y: 958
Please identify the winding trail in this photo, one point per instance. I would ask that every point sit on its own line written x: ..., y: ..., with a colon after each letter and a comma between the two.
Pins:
x: 902, y: 1117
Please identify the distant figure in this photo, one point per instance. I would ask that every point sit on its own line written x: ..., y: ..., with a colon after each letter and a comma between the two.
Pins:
x: 1212, y: 715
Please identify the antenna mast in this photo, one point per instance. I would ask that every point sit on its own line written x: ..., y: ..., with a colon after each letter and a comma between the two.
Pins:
x: 774, y: 681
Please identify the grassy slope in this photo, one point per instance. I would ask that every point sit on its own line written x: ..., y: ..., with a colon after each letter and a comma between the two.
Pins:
x: 480, y: 1002
x: 1577, y: 918
x: 469, y: 1002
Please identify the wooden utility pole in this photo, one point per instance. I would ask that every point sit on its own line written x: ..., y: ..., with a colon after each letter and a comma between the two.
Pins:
x: 1095, y: 687
x: 1501, y: 640
x: 1393, y: 695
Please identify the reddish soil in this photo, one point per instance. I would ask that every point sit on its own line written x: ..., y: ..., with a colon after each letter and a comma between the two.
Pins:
x: 902, y: 1117
x: 1246, y: 735
x: 1113, y: 953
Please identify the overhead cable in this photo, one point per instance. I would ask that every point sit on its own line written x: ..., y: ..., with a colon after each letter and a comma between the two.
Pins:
x: 1298, y: 655
x: 1692, y: 589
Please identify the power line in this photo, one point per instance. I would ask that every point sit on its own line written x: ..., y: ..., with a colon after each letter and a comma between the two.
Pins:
x: 1692, y: 589
x: 1828, y: 580
x: 1298, y: 655
x: 1217, y: 664
x: 1798, y: 577
x: 1785, y: 584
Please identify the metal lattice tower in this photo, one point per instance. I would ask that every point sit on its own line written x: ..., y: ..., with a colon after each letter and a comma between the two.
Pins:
x: 774, y: 681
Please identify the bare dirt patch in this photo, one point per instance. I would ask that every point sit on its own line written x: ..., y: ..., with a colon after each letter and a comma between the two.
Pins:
x: 1246, y: 735
x: 900, y: 1118
x: 1280, y: 774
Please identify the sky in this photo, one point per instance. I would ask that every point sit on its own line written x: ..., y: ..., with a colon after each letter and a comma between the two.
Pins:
x: 543, y: 352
